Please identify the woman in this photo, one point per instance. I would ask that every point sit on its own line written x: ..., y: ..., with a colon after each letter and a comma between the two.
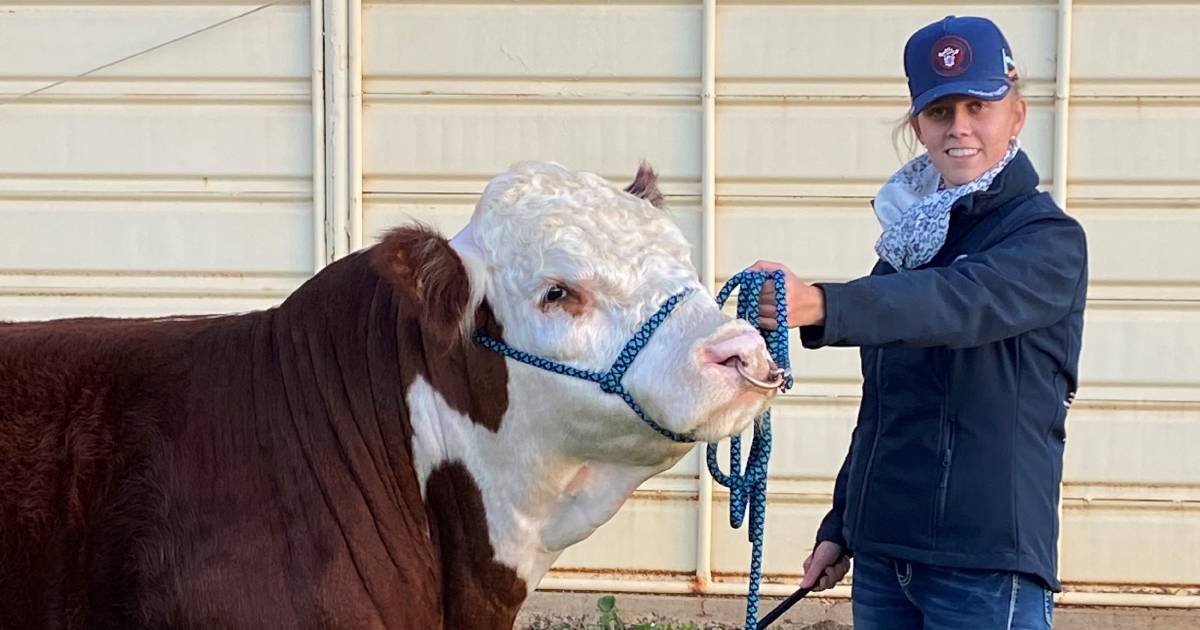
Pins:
x: 969, y: 328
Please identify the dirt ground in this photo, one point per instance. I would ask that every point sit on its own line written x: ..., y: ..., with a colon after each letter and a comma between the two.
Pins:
x: 577, y: 611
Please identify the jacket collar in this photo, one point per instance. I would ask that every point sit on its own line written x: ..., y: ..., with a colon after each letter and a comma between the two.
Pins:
x: 1017, y: 179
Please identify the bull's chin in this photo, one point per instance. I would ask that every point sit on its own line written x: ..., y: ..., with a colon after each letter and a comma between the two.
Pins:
x: 731, y: 418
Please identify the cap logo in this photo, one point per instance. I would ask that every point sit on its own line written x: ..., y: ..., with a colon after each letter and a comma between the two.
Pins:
x: 951, y: 56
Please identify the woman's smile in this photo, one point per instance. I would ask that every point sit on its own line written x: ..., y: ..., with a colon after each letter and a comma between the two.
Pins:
x: 962, y: 152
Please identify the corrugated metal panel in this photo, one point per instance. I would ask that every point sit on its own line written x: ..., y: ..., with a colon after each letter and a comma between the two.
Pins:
x: 455, y: 93
x: 1134, y: 185
x: 807, y: 93
x: 177, y: 180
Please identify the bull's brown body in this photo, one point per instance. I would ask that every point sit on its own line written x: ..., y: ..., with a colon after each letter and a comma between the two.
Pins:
x: 250, y: 471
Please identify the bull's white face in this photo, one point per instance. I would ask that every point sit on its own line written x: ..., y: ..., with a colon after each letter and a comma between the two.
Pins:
x: 572, y: 266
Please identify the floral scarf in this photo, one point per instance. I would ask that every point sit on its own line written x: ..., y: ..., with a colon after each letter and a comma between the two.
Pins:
x: 913, y: 208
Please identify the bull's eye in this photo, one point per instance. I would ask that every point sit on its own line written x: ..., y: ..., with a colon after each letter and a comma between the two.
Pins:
x: 556, y: 293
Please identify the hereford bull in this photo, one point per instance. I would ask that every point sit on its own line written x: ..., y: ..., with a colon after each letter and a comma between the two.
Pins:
x: 354, y: 458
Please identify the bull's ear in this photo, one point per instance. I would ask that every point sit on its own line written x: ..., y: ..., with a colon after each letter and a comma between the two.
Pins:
x: 428, y: 276
x: 645, y: 185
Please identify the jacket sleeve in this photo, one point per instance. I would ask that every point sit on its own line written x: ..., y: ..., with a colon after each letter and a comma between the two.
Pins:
x: 831, y: 526
x: 1024, y: 282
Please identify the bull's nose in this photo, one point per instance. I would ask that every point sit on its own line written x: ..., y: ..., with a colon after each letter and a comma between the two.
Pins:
x: 743, y: 351
x: 746, y: 347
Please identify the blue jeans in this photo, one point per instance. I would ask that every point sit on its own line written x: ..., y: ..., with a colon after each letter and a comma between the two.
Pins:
x: 892, y: 594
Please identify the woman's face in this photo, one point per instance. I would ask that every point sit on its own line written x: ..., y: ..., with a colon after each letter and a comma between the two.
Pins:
x: 966, y: 136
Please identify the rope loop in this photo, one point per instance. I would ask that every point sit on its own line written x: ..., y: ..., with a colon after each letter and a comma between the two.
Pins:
x: 748, y: 491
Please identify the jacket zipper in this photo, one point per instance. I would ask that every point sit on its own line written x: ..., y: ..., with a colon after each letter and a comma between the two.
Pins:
x: 944, y: 485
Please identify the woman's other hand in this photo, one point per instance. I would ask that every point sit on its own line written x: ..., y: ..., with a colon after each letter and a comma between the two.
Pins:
x: 825, y: 566
x: 806, y: 303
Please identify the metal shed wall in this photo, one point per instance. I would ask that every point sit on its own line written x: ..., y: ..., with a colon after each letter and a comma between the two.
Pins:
x: 205, y: 174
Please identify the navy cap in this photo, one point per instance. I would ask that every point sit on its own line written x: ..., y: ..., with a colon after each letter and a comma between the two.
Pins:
x: 958, y: 55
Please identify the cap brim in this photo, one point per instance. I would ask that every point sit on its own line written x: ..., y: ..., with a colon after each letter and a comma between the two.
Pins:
x: 986, y: 89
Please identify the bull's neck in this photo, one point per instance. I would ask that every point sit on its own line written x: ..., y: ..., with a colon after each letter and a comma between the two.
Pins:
x: 539, y: 490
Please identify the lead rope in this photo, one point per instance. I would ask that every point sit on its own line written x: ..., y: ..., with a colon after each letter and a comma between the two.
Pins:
x: 750, y: 489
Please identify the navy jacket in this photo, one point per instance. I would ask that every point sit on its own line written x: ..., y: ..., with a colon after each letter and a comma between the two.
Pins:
x: 969, y: 365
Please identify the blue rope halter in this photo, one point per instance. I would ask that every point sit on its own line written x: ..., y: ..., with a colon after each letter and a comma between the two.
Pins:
x: 610, y: 381
x: 748, y: 488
